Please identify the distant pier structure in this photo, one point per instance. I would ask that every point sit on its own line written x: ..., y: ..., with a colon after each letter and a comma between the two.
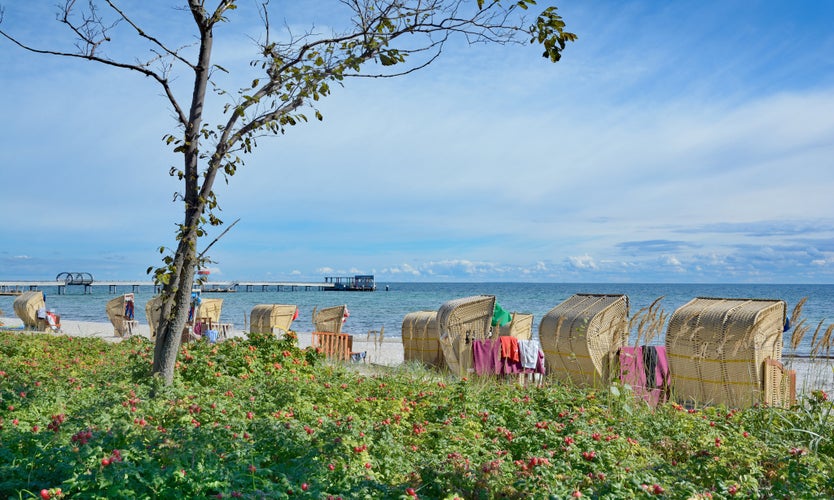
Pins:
x: 86, y: 280
x: 75, y: 279
x: 357, y: 283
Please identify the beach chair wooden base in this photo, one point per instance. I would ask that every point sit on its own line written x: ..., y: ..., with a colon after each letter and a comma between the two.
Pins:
x: 337, y: 346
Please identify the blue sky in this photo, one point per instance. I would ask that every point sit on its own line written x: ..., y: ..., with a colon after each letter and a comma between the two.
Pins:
x: 675, y: 142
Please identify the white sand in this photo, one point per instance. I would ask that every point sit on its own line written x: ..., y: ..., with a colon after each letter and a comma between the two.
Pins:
x: 810, y: 374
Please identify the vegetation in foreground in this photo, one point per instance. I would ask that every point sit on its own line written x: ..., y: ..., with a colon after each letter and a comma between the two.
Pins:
x: 261, y: 418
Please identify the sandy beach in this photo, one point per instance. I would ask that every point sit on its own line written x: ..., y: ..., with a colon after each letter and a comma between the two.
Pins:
x: 810, y: 374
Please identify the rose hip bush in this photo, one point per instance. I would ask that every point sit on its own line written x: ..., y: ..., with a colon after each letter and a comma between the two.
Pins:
x: 261, y: 418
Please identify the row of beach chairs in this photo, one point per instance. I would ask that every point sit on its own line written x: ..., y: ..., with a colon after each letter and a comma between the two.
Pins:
x: 716, y: 350
x: 204, y: 316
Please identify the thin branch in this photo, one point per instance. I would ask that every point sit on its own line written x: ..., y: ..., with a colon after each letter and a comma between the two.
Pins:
x: 143, y: 34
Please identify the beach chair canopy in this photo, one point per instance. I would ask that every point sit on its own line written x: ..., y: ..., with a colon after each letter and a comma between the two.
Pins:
x: 265, y: 318
x: 420, y: 336
x: 120, y: 310
x: 717, y: 348
x: 26, y: 307
x: 329, y: 319
x: 460, y: 321
x: 580, y: 336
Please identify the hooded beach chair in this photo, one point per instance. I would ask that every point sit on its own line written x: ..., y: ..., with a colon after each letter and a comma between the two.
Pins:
x: 460, y: 322
x: 265, y: 318
x: 120, y: 311
x: 26, y: 307
x: 330, y: 319
x: 728, y: 351
x: 328, y: 336
x: 580, y: 336
x: 153, y: 312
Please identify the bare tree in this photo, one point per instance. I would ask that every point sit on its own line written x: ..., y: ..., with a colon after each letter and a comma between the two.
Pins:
x: 384, y: 38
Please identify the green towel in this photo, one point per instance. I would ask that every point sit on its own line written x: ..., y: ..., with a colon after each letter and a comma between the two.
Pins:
x: 500, y: 316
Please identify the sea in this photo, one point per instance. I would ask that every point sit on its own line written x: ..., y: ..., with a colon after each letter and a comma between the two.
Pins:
x: 387, y: 306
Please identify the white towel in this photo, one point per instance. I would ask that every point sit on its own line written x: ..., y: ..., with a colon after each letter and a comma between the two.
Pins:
x: 528, y: 351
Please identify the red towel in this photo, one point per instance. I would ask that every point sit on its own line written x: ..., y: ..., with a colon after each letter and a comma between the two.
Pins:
x: 509, y: 348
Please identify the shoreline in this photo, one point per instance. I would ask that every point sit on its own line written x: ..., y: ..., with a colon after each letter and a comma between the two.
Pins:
x: 811, y: 373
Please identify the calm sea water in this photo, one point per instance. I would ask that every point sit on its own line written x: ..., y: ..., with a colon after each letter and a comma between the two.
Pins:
x: 374, y: 310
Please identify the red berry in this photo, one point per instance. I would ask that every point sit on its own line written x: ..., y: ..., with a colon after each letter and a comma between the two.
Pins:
x: 45, y: 494
x: 105, y: 461
x: 304, y: 487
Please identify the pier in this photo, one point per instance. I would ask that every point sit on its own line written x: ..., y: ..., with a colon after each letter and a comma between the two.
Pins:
x: 15, y: 287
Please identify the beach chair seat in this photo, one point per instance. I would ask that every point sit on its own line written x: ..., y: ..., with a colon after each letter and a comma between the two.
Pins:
x: 718, y: 347
x: 581, y: 335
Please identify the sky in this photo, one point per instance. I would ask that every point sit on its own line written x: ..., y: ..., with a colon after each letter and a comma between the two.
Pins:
x: 675, y: 142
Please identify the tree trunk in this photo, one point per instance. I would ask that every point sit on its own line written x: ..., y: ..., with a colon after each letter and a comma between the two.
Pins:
x: 176, y: 295
x: 175, y: 305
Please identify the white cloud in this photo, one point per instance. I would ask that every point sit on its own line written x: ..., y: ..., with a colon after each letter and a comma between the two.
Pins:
x: 583, y: 262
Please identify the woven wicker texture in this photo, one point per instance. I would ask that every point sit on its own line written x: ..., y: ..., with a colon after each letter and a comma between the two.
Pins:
x: 116, y: 309
x: 459, y: 322
x: 153, y: 311
x: 420, y: 335
x: 521, y: 327
x: 779, y: 384
x: 329, y: 319
x: 210, y: 309
x: 580, y: 336
x: 265, y: 318
x: 26, y: 307
x: 717, y: 348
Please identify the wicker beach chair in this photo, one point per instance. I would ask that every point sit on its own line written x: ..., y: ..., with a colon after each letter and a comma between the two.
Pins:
x: 120, y: 311
x: 265, y: 318
x: 718, y: 349
x: 209, y: 311
x: 421, y: 336
x: 26, y: 307
x: 461, y: 321
x: 521, y: 327
x: 153, y: 312
x: 580, y: 336
x: 329, y: 319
